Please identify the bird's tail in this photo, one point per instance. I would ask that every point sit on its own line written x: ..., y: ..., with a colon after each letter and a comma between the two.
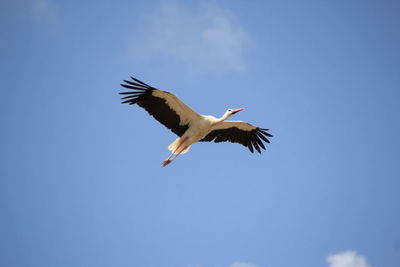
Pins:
x: 177, y: 145
x: 173, y: 145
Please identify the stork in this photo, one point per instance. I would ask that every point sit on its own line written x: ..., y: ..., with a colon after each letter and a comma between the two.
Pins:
x: 190, y: 126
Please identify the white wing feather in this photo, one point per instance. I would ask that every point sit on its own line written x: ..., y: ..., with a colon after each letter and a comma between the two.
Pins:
x: 238, y: 124
x: 186, y: 114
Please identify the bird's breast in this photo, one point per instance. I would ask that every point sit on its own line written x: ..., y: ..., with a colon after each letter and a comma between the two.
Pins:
x: 199, y: 129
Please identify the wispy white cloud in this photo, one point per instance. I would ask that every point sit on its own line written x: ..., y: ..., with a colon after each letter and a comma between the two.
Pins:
x: 234, y: 264
x: 347, y: 259
x: 44, y: 10
x: 205, y: 38
x: 242, y: 264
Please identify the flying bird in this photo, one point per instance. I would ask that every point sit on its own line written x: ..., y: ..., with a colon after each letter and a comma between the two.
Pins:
x: 190, y: 126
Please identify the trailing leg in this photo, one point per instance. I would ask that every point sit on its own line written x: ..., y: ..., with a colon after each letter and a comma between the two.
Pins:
x: 177, y: 148
x: 167, y: 161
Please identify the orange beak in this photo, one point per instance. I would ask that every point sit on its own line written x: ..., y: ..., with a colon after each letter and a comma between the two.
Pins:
x: 237, y: 110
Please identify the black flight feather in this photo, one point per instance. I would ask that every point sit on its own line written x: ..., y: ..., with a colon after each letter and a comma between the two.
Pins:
x: 142, y: 94
x: 250, y: 139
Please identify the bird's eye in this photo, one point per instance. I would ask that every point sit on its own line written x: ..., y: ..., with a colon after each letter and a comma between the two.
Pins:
x: 229, y: 110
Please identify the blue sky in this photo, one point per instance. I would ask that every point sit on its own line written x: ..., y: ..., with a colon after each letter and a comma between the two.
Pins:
x: 81, y: 182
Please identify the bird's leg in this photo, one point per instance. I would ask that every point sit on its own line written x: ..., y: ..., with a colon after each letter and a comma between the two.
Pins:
x: 167, y: 161
x: 174, y: 157
x: 177, y: 151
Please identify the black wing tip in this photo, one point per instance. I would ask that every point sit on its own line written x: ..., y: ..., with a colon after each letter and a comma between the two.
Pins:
x: 250, y: 148
x: 264, y: 131
x: 137, y: 84
x: 139, y: 81
x: 131, y: 97
x: 250, y: 139
x: 259, y: 142
x: 134, y: 87
x: 255, y: 141
x: 138, y: 88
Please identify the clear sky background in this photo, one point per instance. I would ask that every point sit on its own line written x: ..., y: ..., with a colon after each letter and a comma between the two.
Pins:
x: 81, y: 179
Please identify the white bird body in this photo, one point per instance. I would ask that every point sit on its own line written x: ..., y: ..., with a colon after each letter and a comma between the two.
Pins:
x: 190, y: 126
x: 198, y: 129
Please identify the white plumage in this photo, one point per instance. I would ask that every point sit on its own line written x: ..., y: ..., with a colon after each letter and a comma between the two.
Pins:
x: 190, y: 126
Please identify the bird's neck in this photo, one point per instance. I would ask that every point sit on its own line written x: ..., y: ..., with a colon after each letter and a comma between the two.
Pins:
x: 224, y: 117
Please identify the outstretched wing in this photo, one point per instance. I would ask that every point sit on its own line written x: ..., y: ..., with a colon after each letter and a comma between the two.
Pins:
x: 239, y: 132
x: 163, y: 106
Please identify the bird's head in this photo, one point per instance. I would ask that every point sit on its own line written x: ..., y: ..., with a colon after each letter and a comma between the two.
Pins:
x: 230, y: 112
